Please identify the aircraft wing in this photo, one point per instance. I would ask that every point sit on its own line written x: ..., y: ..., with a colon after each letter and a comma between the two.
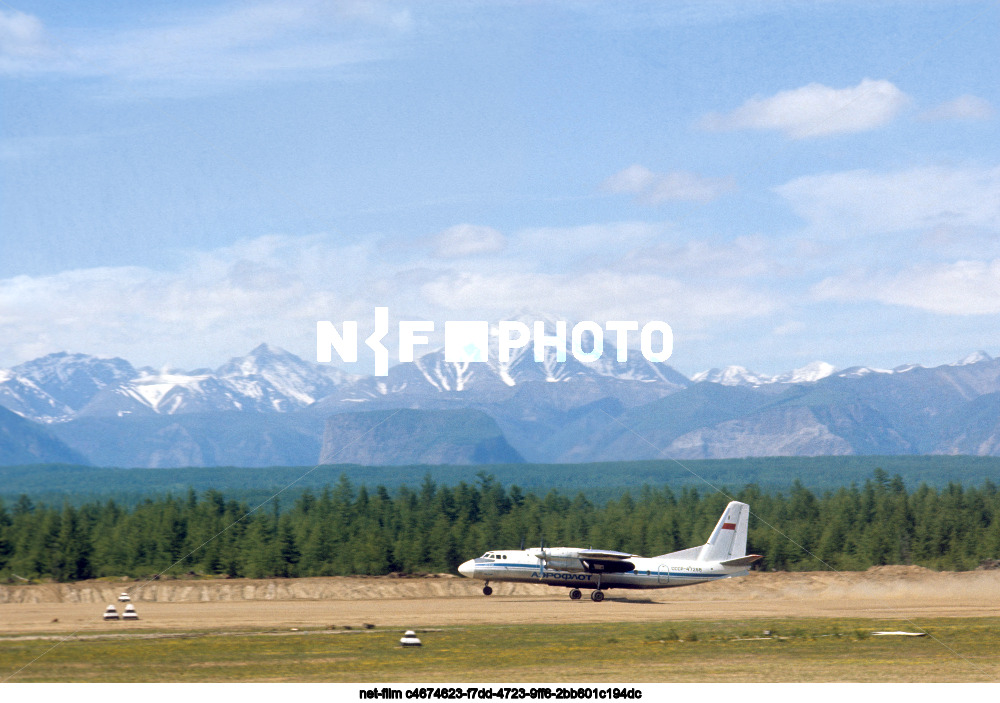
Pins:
x: 602, y: 554
x: 592, y: 560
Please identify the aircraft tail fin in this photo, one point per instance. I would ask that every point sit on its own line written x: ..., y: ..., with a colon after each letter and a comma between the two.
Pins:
x: 729, y: 538
x: 728, y: 542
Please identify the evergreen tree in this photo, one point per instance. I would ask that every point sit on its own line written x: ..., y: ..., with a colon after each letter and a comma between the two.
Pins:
x: 74, y: 548
x: 349, y: 530
x: 6, y: 548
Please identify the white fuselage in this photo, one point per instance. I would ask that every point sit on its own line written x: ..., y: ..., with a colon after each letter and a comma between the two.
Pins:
x: 527, y: 566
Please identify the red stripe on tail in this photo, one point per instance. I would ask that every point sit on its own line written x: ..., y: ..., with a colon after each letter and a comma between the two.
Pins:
x: 729, y: 526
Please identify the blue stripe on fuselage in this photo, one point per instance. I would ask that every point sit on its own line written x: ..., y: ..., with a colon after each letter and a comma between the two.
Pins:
x: 557, y: 577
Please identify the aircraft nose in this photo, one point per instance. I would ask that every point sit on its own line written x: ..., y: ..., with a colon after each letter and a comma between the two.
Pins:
x: 468, y: 568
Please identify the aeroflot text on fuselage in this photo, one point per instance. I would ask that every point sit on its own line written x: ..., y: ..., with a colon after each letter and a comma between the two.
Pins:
x: 469, y: 340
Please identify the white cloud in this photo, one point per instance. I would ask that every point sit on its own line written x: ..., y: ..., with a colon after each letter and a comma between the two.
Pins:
x: 20, y: 34
x: 245, y: 43
x: 655, y: 188
x: 932, y: 230
x: 864, y: 202
x: 464, y: 240
x: 602, y: 271
x: 220, y: 303
x: 597, y: 295
x: 816, y: 110
x: 22, y: 41
x: 718, y: 259
x: 964, y: 107
x: 786, y: 329
x: 216, y: 304
x: 958, y: 288
x: 558, y: 249
x: 634, y: 179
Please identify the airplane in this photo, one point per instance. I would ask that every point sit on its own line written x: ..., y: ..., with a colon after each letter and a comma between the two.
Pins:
x: 723, y: 556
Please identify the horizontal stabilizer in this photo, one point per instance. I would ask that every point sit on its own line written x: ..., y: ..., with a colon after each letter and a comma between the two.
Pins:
x: 743, y: 561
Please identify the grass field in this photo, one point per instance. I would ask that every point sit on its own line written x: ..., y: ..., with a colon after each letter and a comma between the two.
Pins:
x: 804, y: 649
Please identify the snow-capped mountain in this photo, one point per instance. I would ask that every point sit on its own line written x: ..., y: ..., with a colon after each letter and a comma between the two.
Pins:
x: 278, y: 380
x: 810, y: 373
x: 57, y: 386
x: 431, y: 375
x: 270, y: 408
x: 61, y: 386
x: 973, y: 358
x: 732, y: 376
x: 268, y: 379
x: 739, y: 376
x: 275, y: 374
x: 859, y: 371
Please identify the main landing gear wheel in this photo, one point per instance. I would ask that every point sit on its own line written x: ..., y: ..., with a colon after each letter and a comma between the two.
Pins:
x: 597, y: 596
x: 575, y: 594
x: 487, y: 591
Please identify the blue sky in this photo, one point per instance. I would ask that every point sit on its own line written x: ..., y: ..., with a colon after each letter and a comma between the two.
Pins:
x: 782, y: 182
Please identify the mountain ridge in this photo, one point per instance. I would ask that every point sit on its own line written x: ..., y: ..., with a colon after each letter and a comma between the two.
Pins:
x: 271, y: 407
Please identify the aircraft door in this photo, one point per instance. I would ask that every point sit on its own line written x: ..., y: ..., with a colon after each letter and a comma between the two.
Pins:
x: 663, y: 574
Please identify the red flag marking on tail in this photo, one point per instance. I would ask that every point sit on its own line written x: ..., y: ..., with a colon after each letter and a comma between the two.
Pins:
x: 729, y: 526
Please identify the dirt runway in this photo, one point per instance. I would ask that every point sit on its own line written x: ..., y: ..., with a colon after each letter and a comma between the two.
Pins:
x: 882, y: 593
